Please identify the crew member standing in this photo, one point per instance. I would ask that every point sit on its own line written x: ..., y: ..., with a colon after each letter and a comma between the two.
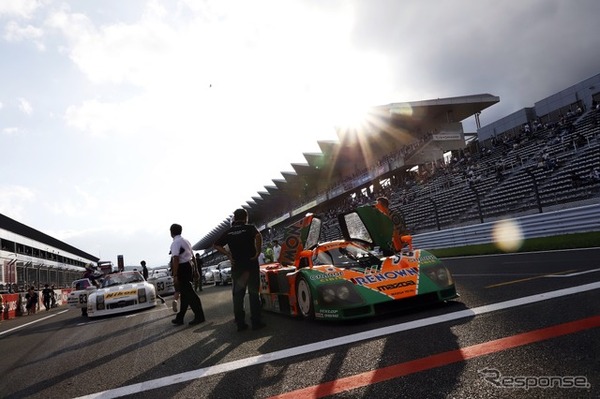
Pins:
x: 383, y: 206
x: 47, y: 294
x: 276, y: 250
x: 183, y: 277
x: 245, y: 243
x: 144, y: 270
x: 199, y: 276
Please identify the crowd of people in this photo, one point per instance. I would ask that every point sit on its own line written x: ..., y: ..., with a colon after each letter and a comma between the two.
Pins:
x: 32, y: 299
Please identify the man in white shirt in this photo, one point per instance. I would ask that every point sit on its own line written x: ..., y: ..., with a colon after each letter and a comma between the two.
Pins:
x: 276, y: 250
x: 183, y: 277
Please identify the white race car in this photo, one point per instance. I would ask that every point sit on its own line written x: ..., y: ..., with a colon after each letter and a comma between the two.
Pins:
x: 77, y: 298
x: 224, y: 276
x: 121, y: 292
x: 162, y: 281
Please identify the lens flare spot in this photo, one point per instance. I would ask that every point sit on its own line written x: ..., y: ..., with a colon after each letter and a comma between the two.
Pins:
x: 507, y: 235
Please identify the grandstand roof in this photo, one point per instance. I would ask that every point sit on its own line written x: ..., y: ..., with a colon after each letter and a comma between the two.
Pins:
x: 385, y: 129
x: 15, y: 227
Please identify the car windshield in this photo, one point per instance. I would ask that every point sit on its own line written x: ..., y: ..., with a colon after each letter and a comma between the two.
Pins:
x: 348, y: 256
x: 122, y: 278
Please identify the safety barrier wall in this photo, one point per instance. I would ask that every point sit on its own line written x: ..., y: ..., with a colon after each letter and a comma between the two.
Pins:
x: 13, y: 305
x: 573, y: 220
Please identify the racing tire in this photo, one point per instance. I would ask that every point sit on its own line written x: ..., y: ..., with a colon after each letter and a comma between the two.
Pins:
x: 306, y: 307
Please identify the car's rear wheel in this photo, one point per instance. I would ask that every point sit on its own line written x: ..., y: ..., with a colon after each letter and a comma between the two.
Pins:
x: 304, y: 298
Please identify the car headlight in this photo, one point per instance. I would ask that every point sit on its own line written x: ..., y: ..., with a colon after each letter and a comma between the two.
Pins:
x: 439, y: 275
x: 100, y: 302
x: 343, y: 293
x: 142, y: 295
x: 328, y: 295
x: 339, y: 294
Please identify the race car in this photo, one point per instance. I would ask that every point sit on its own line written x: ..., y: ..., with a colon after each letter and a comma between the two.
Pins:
x: 211, y: 275
x: 121, y: 292
x: 77, y: 298
x: 344, y: 279
x: 224, y: 273
x: 162, y: 281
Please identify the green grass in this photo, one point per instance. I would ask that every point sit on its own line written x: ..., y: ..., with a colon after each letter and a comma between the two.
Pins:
x: 566, y: 241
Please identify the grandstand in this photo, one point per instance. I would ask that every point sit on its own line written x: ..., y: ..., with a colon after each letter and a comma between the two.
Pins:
x: 534, y: 160
x: 30, y: 257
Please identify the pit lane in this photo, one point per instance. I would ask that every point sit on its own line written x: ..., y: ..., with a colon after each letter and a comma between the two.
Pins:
x: 143, y: 355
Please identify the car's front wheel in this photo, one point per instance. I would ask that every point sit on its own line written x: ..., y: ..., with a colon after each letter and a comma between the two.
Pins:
x: 304, y: 298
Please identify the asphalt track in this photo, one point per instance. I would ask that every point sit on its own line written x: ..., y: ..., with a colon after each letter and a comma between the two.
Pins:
x: 525, y: 326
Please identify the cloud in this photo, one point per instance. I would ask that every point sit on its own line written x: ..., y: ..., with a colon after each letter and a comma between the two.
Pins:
x: 19, y: 8
x: 25, y: 106
x: 79, y: 203
x: 16, y: 200
x: 13, y: 32
x: 9, y: 131
x: 510, y: 49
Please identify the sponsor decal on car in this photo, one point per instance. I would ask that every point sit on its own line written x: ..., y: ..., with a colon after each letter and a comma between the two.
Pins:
x: 385, y: 276
x: 328, y: 314
x: 118, y: 294
x: 428, y: 259
x: 322, y: 276
x: 393, y: 286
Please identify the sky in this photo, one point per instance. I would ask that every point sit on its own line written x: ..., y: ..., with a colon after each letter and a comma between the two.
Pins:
x: 119, y: 118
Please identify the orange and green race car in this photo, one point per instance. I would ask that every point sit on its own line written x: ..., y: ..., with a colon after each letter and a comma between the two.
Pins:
x: 344, y: 279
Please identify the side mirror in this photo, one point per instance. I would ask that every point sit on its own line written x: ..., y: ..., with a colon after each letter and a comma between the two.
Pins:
x: 305, y: 259
x: 407, y: 240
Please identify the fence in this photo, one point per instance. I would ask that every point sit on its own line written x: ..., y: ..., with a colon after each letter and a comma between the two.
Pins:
x: 572, y: 220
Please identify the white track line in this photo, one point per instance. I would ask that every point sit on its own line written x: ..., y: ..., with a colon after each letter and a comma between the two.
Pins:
x: 330, y: 343
x: 573, y: 274
x: 33, y: 322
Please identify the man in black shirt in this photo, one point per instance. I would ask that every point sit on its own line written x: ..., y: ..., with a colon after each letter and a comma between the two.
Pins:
x: 244, y: 243
x: 47, y: 294
x: 144, y: 270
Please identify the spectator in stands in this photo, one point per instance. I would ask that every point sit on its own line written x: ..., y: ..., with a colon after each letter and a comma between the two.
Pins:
x: 576, y: 181
x: 592, y: 177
